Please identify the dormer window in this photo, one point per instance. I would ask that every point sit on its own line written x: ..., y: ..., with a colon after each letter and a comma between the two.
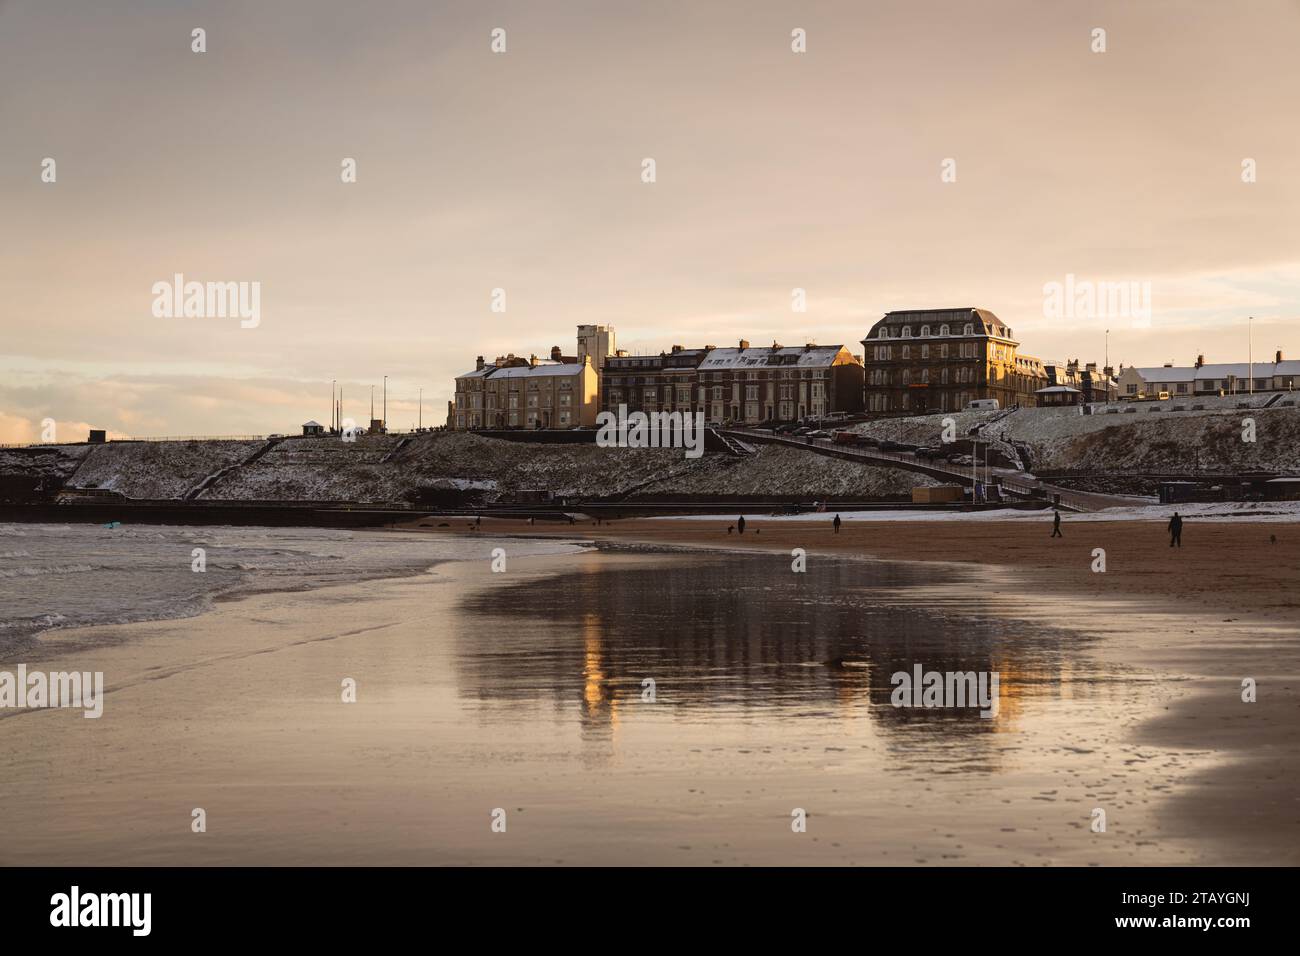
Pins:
x: 969, y: 329
x: 884, y: 332
x: 943, y: 330
x: 907, y: 331
x: 925, y: 331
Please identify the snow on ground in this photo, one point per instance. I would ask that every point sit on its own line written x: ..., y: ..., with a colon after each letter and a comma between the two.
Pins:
x: 325, y: 469
x: 157, y: 469
x: 1279, y: 511
x: 56, y: 461
x: 1136, y: 437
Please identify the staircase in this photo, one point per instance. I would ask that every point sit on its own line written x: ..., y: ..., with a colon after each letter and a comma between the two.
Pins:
x: 216, y: 476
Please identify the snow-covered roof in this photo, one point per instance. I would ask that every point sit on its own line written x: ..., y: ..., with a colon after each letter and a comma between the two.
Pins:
x: 1059, y: 389
x: 483, y: 372
x: 1167, y: 373
x: 1235, y: 369
x: 312, y: 424
x: 818, y: 356
x: 1287, y: 367
x: 541, y: 369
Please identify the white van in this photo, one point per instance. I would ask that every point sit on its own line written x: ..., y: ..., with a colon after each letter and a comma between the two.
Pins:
x: 982, y: 404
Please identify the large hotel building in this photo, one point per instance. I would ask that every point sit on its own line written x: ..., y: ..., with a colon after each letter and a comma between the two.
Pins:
x: 938, y: 360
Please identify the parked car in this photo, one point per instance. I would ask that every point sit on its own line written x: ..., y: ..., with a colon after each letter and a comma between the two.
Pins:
x: 929, y: 453
x: 982, y: 404
x: 847, y: 438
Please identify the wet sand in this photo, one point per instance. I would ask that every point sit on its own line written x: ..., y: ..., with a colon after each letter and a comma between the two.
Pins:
x: 1196, y: 619
x: 523, y: 691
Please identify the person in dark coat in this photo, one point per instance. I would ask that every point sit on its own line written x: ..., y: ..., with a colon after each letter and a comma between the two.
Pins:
x: 740, y: 524
x: 1175, y: 531
x: 836, y: 522
x: 1056, y: 525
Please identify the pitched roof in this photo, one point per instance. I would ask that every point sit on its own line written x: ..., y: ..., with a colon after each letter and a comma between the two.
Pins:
x: 818, y: 356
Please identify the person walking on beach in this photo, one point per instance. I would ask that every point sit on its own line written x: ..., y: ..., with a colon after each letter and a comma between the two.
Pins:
x: 1056, y: 525
x: 836, y: 523
x: 1175, y: 531
x: 740, y: 524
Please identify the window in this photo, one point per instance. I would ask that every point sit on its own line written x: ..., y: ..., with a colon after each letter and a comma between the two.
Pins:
x: 943, y: 350
x: 907, y: 351
x: 884, y: 332
x: 925, y: 351
x: 907, y: 331
x: 943, y: 330
x: 925, y: 331
x: 969, y: 330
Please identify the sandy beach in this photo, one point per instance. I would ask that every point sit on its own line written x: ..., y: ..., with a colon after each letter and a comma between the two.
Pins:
x: 1199, y: 618
x: 523, y: 691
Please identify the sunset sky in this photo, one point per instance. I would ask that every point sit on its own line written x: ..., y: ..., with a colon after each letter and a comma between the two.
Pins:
x: 522, y: 171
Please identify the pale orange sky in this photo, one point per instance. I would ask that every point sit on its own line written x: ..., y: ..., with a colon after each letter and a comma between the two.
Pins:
x: 522, y: 171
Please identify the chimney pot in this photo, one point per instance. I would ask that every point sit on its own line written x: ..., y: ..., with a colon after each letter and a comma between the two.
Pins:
x: 744, y: 343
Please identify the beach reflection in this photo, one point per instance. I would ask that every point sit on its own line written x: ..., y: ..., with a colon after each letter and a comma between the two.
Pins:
x: 739, y: 637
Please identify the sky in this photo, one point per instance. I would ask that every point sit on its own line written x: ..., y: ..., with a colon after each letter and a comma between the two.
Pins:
x: 826, y: 170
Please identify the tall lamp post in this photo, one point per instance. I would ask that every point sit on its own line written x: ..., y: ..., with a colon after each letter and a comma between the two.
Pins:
x: 1250, y: 349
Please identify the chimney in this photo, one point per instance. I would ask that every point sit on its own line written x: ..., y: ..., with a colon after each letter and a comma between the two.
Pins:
x: 744, y: 343
x: 809, y: 346
x: 478, y: 364
x: 532, y: 361
x: 1200, y: 360
x: 556, y: 354
x: 677, y: 348
x: 1277, y: 357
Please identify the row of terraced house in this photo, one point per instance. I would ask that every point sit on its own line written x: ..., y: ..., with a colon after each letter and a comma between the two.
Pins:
x: 914, y: 361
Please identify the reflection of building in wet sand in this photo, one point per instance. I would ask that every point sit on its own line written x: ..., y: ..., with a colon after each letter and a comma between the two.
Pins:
x: 744, y: 632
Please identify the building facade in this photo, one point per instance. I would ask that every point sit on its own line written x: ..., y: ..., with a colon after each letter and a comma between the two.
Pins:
x: 525, y: 393
x: 742, y: 385
x: 1234, y: 378
x: 938, y: 360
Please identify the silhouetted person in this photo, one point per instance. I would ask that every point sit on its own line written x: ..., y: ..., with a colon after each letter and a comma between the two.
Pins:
x: 1175, y: 531
x: 740, y: 524
x: 1056, y: 526
x: 836, y: 523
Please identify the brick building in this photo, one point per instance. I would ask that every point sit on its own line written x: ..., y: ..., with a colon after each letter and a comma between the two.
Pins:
x: 740, y: 384
x: 936, y: 360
